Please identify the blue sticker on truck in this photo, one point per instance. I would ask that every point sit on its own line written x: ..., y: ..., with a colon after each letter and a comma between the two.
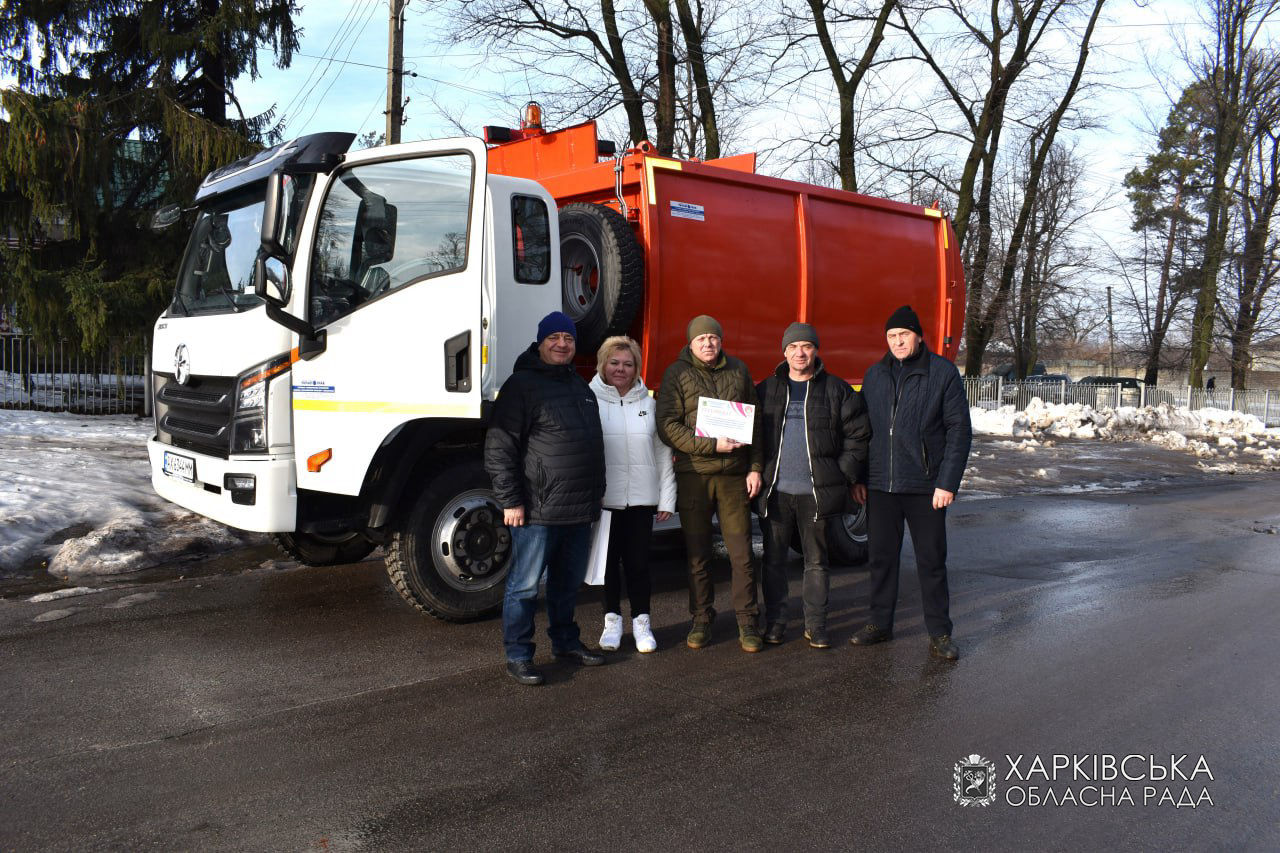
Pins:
x: 685, y: 210
x: 313, y: 386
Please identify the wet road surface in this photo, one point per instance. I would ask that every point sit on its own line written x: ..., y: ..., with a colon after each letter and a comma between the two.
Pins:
x: 308, y: 709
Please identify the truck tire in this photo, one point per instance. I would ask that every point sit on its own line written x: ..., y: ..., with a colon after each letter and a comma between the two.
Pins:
x: 601, y: 272
x: 449, y: 552
x: 847, y: 536
x: 322, y: 549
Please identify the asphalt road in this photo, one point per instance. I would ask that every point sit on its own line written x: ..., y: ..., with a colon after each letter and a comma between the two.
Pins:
x: 308, y: 709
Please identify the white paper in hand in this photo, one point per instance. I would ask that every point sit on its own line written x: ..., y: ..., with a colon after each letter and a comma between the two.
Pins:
x: 599, y: 549
x: 725, y: 419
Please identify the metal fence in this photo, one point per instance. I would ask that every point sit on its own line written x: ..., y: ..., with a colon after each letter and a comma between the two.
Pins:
x: 62, y: 378
x: 991, y: 392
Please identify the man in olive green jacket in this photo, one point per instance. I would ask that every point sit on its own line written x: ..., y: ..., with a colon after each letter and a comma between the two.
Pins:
x: 713, y: 475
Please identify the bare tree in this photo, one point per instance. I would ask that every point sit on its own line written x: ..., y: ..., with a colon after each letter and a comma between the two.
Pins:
x: 589, y: 39
x: 692, y: 28
x: 588, y: 58
x: 1234, y: 79
x: 1014, y: 44
x: 1053, y: 253
x: 829, y: 22
x: 1254, y: 268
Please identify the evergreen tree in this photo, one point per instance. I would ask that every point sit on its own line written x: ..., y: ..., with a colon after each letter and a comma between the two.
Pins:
x: 120, y: 106
x: 1164, y: 196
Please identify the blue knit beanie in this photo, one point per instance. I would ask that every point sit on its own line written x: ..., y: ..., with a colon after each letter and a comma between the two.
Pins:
x: 554, y: 322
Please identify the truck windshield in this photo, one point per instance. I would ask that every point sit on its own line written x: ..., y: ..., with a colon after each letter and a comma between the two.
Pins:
x: 217, y: 271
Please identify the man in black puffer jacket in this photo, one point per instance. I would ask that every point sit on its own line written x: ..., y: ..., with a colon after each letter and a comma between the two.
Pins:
x: 920, y: 437
x: 814, y: 432
x: 544, y: 452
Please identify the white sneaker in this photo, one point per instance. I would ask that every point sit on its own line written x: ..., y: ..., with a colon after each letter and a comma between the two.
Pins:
x: 645, y: 642
x: 611, y: 637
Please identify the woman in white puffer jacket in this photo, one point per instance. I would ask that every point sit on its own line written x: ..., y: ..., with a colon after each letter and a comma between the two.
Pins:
x: 639, y: 482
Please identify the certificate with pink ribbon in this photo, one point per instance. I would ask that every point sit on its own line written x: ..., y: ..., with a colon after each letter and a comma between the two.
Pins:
x: 725, y: 419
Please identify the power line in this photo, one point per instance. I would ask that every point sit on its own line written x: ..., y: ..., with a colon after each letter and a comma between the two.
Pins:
x: 376, y: 104
x: 330, y: 47
x: 407, y: 73
x: 373, y: 7
x: 343, y: 35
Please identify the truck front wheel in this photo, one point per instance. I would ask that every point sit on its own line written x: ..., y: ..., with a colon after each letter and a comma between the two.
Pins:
x: 325, y: 549
x: 448, y: 555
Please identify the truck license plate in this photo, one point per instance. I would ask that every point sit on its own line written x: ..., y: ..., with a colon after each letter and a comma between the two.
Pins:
x: 182, y: 467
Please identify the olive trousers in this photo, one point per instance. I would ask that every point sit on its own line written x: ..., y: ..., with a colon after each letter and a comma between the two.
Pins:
x: 698, y: 497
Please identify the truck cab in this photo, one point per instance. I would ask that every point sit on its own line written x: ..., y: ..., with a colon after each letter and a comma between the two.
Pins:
x: 340, y: 325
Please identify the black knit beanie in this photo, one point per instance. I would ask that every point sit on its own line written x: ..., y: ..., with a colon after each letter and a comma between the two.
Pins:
x: 904, y: 318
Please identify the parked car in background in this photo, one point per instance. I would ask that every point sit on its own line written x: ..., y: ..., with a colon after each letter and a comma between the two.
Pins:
x: 1102, y: 390
x: 1050, y: 387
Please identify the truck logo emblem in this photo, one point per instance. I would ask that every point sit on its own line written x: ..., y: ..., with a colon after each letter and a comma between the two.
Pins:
x: 181, y: 364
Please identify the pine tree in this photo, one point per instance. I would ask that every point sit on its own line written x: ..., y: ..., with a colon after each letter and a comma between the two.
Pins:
x: 1164, y: 196
x: 120, y: 106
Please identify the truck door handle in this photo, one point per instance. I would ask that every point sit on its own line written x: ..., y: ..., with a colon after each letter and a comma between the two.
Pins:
x: 457, y: 363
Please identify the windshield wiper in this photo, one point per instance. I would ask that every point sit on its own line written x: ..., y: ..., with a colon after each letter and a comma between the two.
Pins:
x: 229, y: 294
x: 178, y: 301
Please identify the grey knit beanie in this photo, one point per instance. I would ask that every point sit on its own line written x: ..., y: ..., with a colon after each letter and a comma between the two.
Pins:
x: 799, y: 332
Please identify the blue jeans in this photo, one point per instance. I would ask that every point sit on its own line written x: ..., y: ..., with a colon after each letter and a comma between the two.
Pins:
x: 561, y: 551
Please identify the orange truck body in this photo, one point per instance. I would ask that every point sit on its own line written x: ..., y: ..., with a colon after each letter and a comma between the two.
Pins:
x: 757, y: 252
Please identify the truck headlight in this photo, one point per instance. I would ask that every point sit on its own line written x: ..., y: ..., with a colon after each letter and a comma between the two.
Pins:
x: 249, y: 429
x: 249, y: 434
x: 254, y: 396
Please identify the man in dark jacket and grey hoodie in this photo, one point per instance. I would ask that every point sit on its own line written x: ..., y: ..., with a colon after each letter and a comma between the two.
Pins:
x: 544, y: 452
x: 920, y: 437
x: 814, y: 431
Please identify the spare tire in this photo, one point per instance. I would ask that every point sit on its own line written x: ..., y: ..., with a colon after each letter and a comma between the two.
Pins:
x: 601, y: 272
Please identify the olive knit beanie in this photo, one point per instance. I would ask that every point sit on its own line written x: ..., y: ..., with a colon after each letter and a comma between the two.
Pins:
x: 703, y: 324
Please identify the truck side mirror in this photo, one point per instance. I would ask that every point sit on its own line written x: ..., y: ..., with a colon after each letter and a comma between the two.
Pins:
x: 273, y: 213
x: 271, y: 279
x: 166, y: 216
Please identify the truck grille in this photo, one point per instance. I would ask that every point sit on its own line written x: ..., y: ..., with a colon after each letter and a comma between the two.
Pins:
x: 196, y: 416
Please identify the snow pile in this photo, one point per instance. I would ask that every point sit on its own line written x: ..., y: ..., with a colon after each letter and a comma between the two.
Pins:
x: 75, y: 492
x: 1206, y: 433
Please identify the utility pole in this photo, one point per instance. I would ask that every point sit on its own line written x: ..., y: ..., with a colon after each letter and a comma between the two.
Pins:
x: 395, y: 71
x: 1111, y: 335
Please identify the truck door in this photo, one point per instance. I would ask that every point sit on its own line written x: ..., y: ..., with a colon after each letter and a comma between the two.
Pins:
x: 393, y: 277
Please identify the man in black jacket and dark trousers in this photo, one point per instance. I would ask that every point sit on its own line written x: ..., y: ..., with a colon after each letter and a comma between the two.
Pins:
x: 814, y: 432
x: 920, y: 437
x: 544, y: 452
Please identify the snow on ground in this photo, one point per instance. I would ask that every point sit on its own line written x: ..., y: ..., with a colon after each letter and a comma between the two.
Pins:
x: 1210, y: 434
x: 75, y: 493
